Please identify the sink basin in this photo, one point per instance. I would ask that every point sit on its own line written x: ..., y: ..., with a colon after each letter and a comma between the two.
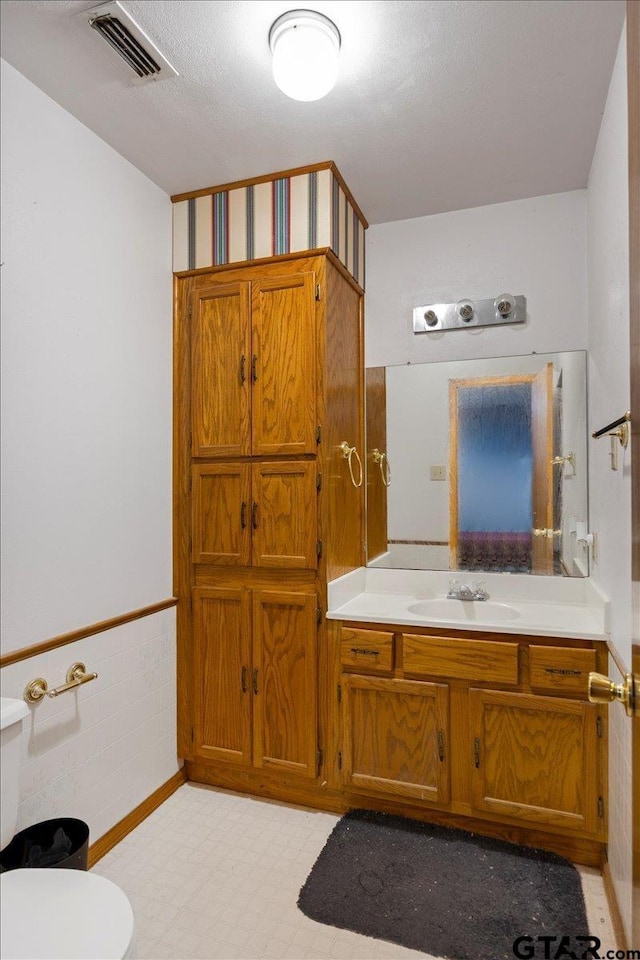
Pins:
x: 481, y: 610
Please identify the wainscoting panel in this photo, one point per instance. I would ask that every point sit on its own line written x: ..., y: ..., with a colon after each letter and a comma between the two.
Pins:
x: 98, y: 752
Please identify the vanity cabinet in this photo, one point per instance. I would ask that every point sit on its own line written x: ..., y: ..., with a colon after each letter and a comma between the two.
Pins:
x: 256, y: 692
x: 475, y: 728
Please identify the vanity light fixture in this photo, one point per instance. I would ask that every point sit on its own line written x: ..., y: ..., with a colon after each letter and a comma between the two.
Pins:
x: 434, y: 317
x: 305, y: 47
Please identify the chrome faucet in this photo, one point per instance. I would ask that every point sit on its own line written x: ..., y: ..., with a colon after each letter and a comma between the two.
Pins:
x: 463, y: 591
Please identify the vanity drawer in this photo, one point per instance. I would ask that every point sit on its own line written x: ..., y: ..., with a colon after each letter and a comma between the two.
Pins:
x: 480, y: 660
x: 367, y: 651
x: 561, y: 669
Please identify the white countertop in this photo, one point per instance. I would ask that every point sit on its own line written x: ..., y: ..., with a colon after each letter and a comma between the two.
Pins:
x: 518, y: 604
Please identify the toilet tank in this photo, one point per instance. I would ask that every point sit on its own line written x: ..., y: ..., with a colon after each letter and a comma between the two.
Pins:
x: 12, y: 713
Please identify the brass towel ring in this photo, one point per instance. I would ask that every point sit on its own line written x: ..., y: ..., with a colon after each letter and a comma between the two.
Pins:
x: 349, y: 452
x: 383, y: 462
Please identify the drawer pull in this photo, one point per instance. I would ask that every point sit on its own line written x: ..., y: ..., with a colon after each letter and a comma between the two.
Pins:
x: 563, y: 672
x: 365, y: 652
x: 440, y: 746
x: 476, y: 752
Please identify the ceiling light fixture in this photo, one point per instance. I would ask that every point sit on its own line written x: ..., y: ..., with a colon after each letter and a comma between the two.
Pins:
x: 305, y: 47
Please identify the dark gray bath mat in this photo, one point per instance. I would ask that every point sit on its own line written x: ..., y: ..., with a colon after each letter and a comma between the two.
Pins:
x: 445, y: 892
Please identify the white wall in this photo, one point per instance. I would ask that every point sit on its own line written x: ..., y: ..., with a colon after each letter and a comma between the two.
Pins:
x: 609, y: 356
x: 86, y: 375
x: 609, y: 397
x: 534, y: 247
x: 86, y: 459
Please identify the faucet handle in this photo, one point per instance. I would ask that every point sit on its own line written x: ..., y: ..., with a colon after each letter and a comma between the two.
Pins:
x: 480, y: 590
x: 454, y: 587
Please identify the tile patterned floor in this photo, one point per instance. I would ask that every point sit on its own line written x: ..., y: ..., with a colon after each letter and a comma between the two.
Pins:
x: 214, y: 875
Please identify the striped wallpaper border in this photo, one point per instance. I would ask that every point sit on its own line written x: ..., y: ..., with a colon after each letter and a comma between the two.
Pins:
x: 287, y: 214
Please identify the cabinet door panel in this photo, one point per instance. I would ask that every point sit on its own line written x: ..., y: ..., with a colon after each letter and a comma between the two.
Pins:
x: 285, y: 699
x: 220, y: 371
x: 221, y: 508
x: 222, y: 659
x: 284, y: 518
x: 396, y: 737
x: 283, y: 365
x: 535, y: 758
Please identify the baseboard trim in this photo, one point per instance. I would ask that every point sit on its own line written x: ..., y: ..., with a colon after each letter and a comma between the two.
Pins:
x: 120, y: 830
x: 614, y: 908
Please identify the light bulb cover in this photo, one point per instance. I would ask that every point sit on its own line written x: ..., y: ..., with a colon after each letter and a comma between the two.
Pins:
x: 305, y: 47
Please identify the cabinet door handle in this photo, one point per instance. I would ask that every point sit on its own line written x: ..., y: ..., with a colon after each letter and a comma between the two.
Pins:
x: 254, y: 368
x: 254, y: 515
x: 243, y: 364
x: 440, y: 746
x: 476, y: 752
x: 255, y: 680
x: 243, y: 679
x: 243, y: 514
x: 561, y: 672
x: 364, y: 652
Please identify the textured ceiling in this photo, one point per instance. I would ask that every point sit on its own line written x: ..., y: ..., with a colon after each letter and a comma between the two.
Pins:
x: 440, y: 105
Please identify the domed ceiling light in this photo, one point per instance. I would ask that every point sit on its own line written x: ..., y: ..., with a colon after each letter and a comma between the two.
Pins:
x: 305, y: 47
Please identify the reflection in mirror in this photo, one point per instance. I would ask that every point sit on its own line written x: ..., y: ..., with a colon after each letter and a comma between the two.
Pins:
x: 478, y: 465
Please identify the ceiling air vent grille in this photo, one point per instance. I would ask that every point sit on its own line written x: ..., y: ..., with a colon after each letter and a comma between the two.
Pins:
x: 120, y: 30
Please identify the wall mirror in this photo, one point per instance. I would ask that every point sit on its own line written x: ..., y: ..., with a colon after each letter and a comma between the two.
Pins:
x: 479, y: 465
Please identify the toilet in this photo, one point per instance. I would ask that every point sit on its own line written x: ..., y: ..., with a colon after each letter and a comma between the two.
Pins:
x: 54, y: 914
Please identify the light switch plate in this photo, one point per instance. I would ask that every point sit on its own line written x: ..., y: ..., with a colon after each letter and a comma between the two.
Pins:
x: 438, y: 473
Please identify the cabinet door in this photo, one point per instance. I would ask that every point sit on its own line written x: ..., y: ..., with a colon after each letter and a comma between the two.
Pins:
x: 284, y: 365
x: 221, y: 670
x: 535, y: 758
x: 284, y: 515
x: 221, y: 504
x: 396, y: 737
x: 285, y: 682
x: 220, y: 370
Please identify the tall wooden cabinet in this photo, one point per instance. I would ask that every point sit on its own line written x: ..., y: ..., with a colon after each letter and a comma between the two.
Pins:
x: 268, y: 385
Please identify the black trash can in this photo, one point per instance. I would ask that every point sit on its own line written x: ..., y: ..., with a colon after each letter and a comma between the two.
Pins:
x: 63, y: 842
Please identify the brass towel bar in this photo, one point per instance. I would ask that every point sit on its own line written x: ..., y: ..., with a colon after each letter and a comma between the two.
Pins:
x: 617, y: 428
x: 76, y: 676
